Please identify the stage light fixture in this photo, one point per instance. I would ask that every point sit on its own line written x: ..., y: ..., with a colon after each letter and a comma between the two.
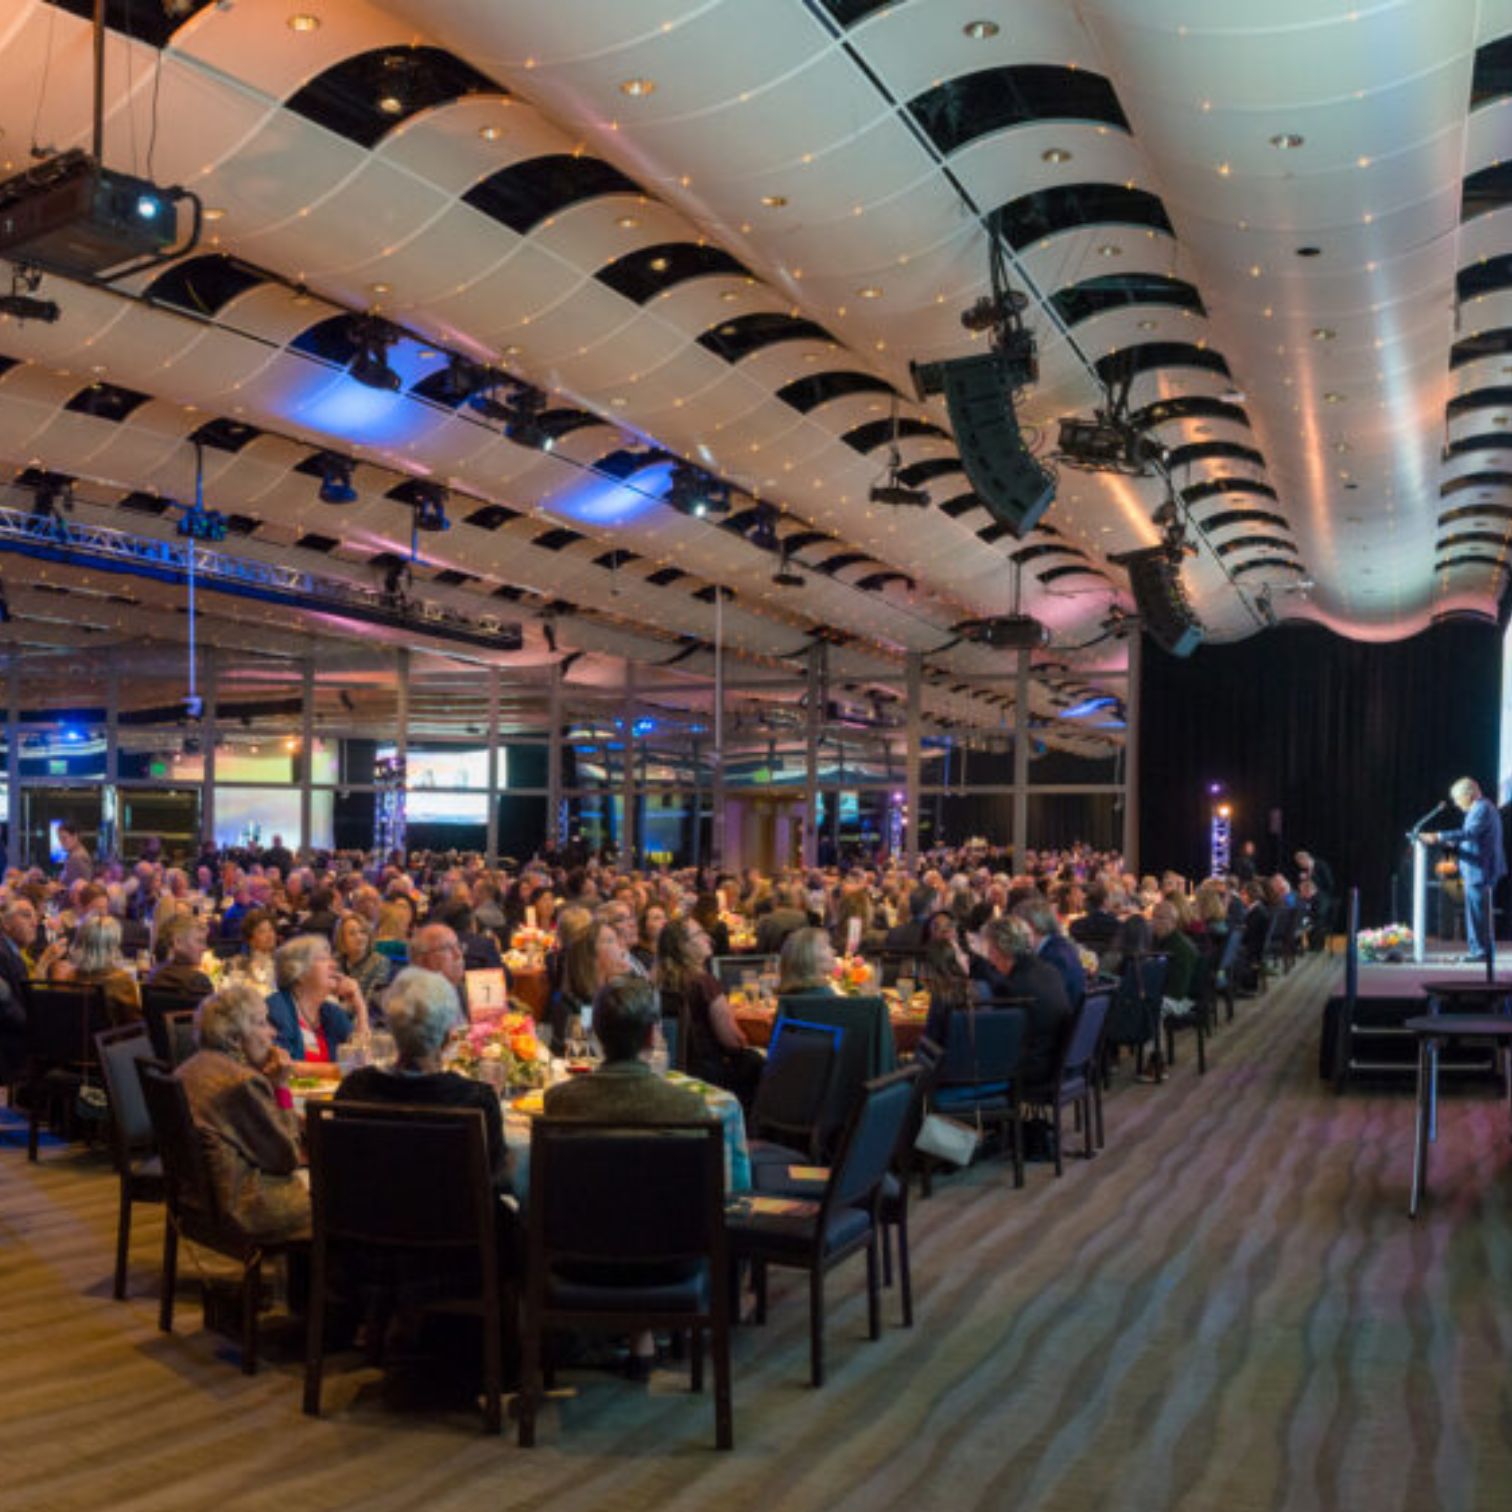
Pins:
x: 336, y: 481
x: 51, y: 495
x: 694, y: 492
x: 521, y: 415
x: 430, y: 509
x: 22, y: 302
x: 785, y: 576
x: 763, y: 532
x: 370, y: 366
x: 200, y: 524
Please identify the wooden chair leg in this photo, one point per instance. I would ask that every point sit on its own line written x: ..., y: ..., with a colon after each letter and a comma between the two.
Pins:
x: 530, y: 1379
x: 873, y: 1289
x: 905, y: 1274
x: 315, y: 1331
x: 696, y: 1358
x: 816, y: 1325
x: 1060, y: 1169
x: 251, y: 1295
x: 123, y: 1239
x: 1018, y: 1145
x: 170, y: 1276
x: 724, y: 1416
x: 493, y: 1356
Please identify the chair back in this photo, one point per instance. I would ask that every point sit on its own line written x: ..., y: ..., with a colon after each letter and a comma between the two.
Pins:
x: 396, y: 951
x: 676, y: 1029
x: 1084, y: 1033
x: 983, y: 1045
x: 870, y: 1142
x: 1141, y: 991
x: 1200, y: 989
x: 793, y: 1094
x: 178, y: 1030
x: 1283, y: 933
x: 186, y: 1171
x: 157, y: 1004
x: 624, y: 1193
x: 899, y: 961
x: 118, y: 1050
x: 1228, y: 957
x: 433, y: 1188
x: 866, y: 1022
x: 62, y: 1019
x: 731, y: 969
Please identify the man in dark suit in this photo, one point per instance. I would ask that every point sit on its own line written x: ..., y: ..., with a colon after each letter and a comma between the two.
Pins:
x: 18, y: 930
x: 1097, y: 927
x: 791, y: 913
x: 1256, y: 929
x: 909, y: 933
x: 1482, y: 861
x: 1052, y: 946
x: 1011, y: 969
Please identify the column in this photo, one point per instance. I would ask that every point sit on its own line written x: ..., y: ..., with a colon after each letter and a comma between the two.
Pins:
x: 17, y: 849
x: 209, y: 734
x: 914, y: 758
x: 629, y: 829
x: 813, y: 726
x: 554, y: 827
x: 491, y: 845
x: 401, y: 739
x: 1021, y: 739
x: 716, y: 750
x: 306, y: 754
x: 1131, y: 756
x: 113, y: 843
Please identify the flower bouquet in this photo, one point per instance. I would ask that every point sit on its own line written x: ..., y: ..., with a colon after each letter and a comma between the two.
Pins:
x: 532, y: 941
x: 503, y: 1051
x: 1391, y: 942
x: 851, y: 975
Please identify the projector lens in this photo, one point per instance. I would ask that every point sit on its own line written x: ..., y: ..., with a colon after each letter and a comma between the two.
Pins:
x: 147, y: 207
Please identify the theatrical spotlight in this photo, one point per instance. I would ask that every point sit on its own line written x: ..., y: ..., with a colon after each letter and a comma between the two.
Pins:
x: 785, y: 577
x: 336, y: 480
x: 370, y: 367
x: 763, y: 531
x: 52, y: 493
x: 694, y: 492
x: 462, y: 381
x: 22, y: 303
x: 430, y: 508
x: 521, y: 414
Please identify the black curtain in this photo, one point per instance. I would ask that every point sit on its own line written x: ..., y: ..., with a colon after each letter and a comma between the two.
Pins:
x: 1322, y: 744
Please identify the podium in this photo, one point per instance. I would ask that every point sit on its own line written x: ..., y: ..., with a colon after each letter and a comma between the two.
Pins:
x: 1419, y: 897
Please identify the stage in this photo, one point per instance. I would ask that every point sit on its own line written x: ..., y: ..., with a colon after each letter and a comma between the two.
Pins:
x: 1369, y: 1043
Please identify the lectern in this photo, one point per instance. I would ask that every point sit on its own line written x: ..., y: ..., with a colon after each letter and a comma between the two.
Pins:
x: 1419, y: 897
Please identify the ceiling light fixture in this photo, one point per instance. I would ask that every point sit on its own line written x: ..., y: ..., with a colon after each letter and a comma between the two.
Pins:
x: 522, y: 418
x: 1109, y: 249
x: 430, y: 508
x: 490, y: 133
x: 659, y: 264
x: 304, y: 22
x: 693, y: 492
x: 336, y: 480
x: 1309, y: 251
x: 1333, y: 398
x: 391, y: 104
x: 638, y: 89
x: 1055, y: 155
x: 871, y: 291
x: 1323, y: 333
x: 774, y: 201
x: 214, y: 213
x: 1148, y: 325
x: 627, y: 223
x: 1287, y: 140
x: 980, y: 31
x: 370, y: 366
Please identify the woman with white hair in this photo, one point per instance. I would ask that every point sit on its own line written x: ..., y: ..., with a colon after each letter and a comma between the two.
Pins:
x: 95, y: 959
x: 316, y: 1009
x: 236, y: 1084
x: 421, y: 1011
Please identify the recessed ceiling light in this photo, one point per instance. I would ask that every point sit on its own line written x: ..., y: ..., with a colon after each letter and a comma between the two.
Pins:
x: 638, y: 88
x: 730, y: 296
x: 1333, y: 398
x: 627, y: 223
x: 979, y: 31
x: 490, y: 133
x: 1109, y: 249
x: 1286, y: 140
x: 1309, y: 251
x: 1498, y: 419
x: 1055, y: 155
x: 1148, y: 325
x: 659, y: 264
x: 774, y: 201
x: 214, y: 213
x: 381, y: 288
x: 871, y: 291
x: 391, y: 104
x: 1342, y: 447
x: 1323, y: 333
x: 304, y: 22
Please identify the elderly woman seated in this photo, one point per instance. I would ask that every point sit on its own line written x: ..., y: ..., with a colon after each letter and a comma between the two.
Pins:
x: 807, y: 963
x: 357, y: 958
x: 422, y: 1012
x: 95, y: 958
x: 237, y: 1092
x: 183, y: 938
x: 315, y: 1009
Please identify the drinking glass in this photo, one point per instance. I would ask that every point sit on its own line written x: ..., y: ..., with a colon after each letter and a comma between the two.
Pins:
x: 382, y: 1049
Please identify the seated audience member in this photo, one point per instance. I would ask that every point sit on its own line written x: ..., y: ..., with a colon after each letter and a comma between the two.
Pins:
x: 943, y: 973
x: 480, y: 952
x: 396, y: 919
x: 94, y: 958
x: 421, y: 1012
x: 315, y: 1010
x: 717, y: 1049
x: 183, y: 938
x: 1097, y: 927
x: 909, y: 935
x: 1053, y: 946
x: 652, y: 922
x: 856, y: 905
x: 1011, y: 969
x: 18, y: 929
x: 321, y: 918
x: 619, y: 914
x: 236, y: 1084
x: 1181, y: 956
x: 624, y: 1088
x: 1255, y: 924
x: 789, y: 914
x: 595, y: 956
x: 706, y: 914
x: 807, y: 963
x: 436, y: 948
x: 259, y: 942
x: 356, y: 957
x: 1130, y: 939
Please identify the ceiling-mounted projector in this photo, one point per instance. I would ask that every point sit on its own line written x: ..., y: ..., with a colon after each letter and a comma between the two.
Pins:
x: 1006, y: 632
x: 72, y: 216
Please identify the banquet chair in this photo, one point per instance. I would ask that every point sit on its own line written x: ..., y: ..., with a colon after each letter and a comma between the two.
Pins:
x: 138, y: 1168
x: 867, y: 1051
x: 194, y: 1212
x: 61, y: 1022
x: 157, y: 1003
x: 1223, y: 973
x: 1074, y: 1076
x: 793, y: 1096
x: 975, y: 1079
x: 818, y: 1234
x: 1199, y: 1016
x: 730, y: 970
x: 1134, y: 1013
x: 627, y: 1232
x: 435, y: 1201
x: 677, y: 1031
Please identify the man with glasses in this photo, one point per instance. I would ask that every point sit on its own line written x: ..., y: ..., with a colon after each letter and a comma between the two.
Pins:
x: 435, y: 947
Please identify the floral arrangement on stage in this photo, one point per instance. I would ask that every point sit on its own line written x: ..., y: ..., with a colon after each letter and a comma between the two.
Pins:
x: 1391, y: 942
x: 504, y: 1051
x: 851, y: 975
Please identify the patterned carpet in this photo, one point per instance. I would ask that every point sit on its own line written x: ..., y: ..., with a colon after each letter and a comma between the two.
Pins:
x: 1227, y: 1309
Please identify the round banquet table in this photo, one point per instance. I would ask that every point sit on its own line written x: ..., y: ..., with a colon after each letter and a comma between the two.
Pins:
x: 907, y: 1026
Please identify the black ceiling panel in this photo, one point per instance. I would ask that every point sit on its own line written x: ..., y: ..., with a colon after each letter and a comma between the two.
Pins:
x: 557, y: 423
x: 1490, y: 478
x: 1039, y: 549
x: 643, y: 274
x: 149, y: 21
x: 841, y: 559
x: 454, y: 577
x: 491, y: 516
x: 1472, y: 538
x: 557, y: 538
x: 313, y: 541
x: 364, y: 97
x: 734, y: 339
x: 225, y: 435
x: 1151, y: 356
x: 1264, y: 564
x: 1189, y: 407
x: 1495, y: 343
x: 1479, y: 399
x: 1080, y: 569
x: 1497, y: 440
x: 106, y: 401
x: 203, y: 285
x: 961, y: 110
x: 664, y: 577
x: 919, y: 473
x: 1032, y: 217
x: 331, y: 340
x: 1485, y: 191
x: 875, y: 433
x: 808, y: 393
x: 961, y: 504
x: 849, y: 12
x: 524, y: 194
x: 1250, y: 542
x: 1475, y: 512
x: 1230, y: 517
x: 242, y: 525
x: 138, y: 502
x: 1484, y: 277
x: 1475, y: 559
x: 1212, y: 451
x: 1116, y: 291
x: 1215, y: 486
x: 1492, y: 79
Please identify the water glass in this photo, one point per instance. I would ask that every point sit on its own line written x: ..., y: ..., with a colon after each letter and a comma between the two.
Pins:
x: 349, y: 1056
x: 906, y: 989
x: 382, y: 1050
